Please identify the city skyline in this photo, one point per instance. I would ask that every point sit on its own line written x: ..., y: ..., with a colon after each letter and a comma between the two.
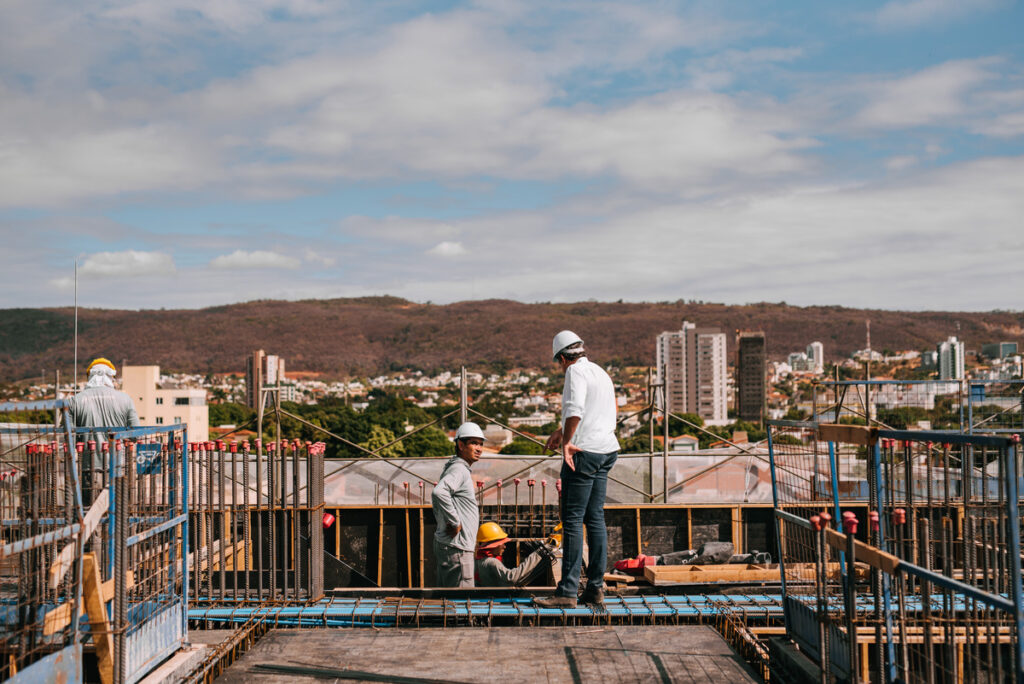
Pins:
x: 193, y: 154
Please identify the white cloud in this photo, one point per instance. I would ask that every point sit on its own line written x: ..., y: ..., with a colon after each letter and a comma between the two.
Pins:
x: 899, y: 163
x: 313, y: 257
x: 240, y: 259
x: 935, y: 95
x: 901, y: 14
x: 447, y: 249
x: 127, y: 263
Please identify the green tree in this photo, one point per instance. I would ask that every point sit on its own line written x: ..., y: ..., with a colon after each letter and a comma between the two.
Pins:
x: 522, y: 447
x: 380, y: 436
x: 428, y: 442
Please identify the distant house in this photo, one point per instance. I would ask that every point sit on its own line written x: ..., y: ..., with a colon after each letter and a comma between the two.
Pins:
x: 683, y: 443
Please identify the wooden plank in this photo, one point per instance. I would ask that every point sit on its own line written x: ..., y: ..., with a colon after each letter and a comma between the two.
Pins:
x: 380, y: 548
x: 848, y: 434
x: 688, y: 574
x: 60, y: 617
x: 876, y: 558
x: 99, y: 626
x: 90, y: 522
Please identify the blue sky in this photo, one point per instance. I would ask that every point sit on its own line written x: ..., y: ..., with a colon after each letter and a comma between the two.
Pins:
x: 191, y: 153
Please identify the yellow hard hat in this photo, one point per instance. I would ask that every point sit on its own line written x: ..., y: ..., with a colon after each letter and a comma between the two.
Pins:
x: 489, y: 533
x: 100, y: 361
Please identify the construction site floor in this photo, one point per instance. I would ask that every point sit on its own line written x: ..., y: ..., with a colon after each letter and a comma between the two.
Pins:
x: 624, y: 653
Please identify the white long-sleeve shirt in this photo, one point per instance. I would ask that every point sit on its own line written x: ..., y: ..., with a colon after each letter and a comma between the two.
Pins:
x: 589, y: 393
x: 454, y: 503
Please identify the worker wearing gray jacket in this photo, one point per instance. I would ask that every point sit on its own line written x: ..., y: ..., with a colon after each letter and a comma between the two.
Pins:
x: 456, y: 512
x: 100, y: 405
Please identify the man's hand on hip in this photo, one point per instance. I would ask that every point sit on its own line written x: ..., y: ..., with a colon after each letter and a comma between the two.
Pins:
x: 568, y: 451
x: 452, y: 530
x: 554, y: 441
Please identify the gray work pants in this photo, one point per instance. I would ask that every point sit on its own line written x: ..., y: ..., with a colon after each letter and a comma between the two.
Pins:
x: 454, y: 566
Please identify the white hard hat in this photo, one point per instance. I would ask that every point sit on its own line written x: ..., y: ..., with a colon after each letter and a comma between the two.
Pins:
x: 562, y: 340
x: 468, y: 430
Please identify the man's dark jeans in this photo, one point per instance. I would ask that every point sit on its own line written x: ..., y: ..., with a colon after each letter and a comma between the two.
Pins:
x: 582, y: 503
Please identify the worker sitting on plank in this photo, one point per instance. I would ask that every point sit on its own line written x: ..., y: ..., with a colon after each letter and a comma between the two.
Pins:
x: 492, y: 572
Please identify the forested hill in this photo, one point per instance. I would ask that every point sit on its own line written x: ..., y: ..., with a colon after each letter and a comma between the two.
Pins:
x: 376, y: 334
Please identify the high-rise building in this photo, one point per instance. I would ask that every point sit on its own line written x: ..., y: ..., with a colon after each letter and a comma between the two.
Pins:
x: 261, y: 370
x: 951, y: 359
x: 816, y: 355
x: 751, y: 375
x: 692, y: 366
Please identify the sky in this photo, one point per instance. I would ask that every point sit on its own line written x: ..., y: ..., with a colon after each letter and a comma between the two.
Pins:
x: 191, y: 153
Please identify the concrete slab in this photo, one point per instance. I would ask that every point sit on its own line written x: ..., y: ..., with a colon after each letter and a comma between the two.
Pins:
x: 684, y: 653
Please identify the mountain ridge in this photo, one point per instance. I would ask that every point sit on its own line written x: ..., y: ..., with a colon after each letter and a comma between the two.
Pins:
x: 369, y: 335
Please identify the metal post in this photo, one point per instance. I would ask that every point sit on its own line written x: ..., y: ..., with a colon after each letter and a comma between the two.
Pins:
x: 463, y: 397
x: 664, y: 446
x: 184, y: 533
x: 1013, y: 546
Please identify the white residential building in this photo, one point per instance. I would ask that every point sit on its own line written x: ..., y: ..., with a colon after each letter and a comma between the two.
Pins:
x: 165, y: 406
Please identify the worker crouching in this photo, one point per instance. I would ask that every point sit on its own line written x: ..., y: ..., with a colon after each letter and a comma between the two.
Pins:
x: 492, y: 572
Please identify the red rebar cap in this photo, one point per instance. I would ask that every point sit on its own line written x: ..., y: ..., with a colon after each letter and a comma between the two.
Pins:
x: 498, y: 483
x: 328, y: 520
x: 220, y: 445
x: 544, y: 483
x: 234, y: 446
x: 816, y: 522
x: 850, y: 524
x: 873, y: 519
x: 245, y: 445
x: 1015, y: 438
x: 516, y: 480
x: 421, y: 484
x: 479, y: 485
x: 79, y: 447
x: 531, y: 482
x: 899, y: 516
x: 825, y: 518
x: 258, y: 443
x: 405, y: 484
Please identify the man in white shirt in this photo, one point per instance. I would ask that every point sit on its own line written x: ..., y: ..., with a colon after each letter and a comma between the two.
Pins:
x: 589, y: 450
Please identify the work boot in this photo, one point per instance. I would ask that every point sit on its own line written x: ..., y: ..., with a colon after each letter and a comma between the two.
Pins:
x: 594, y: 597
x: 555, y: 601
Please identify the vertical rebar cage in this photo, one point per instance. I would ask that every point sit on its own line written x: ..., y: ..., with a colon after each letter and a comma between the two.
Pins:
x: 40, y: 515
x: 928, y: 587
x: 257, y: 521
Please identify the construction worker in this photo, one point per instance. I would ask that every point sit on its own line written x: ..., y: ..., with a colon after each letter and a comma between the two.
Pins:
x: 589, y: 449
x: 492, y: 572
x: 455, y: 510
x: 99, y: 404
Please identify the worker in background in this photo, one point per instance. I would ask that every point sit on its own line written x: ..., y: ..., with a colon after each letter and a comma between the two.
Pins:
x: 492, y: 572
x: 100, y: 405
x: 455, y: 510
x: 589, y: 449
